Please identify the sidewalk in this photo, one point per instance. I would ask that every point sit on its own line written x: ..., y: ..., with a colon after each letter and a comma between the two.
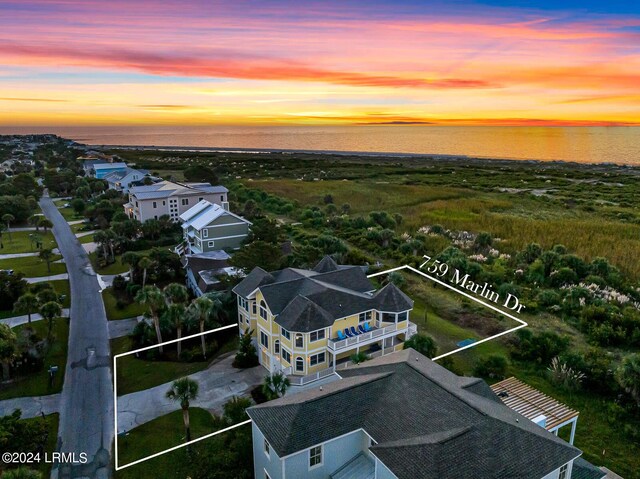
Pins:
x: 31, y: 406
x: 24, y: 319
x: 17, y: 255
x: 41, y: 279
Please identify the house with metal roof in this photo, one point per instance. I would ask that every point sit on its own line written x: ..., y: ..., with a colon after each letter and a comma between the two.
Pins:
x: 403, y: 416
x: 100, y: 169
x: 121, y: 180
x: 171, y: 198
x: 308, y: 323
x: 209, y: 227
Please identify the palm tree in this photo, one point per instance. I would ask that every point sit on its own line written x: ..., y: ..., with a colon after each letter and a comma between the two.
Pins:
x: 46, y: 254
x: 8, y: 218
x: 154, y: 299
x: 235, y: 409
x: 8, y: 348
x: 144, y: 264
x: 26, y: 304
x: 175, y: 314
x: 34, y: 220
x: 49, y: 311
x: 176, y: 293
x: 184, y: 390
x: 45, y: 223
x: 130, y: 258
x: 201, y: 309
x: 275, y: 386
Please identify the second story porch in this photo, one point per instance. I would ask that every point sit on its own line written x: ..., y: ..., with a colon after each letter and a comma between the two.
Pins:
x: 380, y: 331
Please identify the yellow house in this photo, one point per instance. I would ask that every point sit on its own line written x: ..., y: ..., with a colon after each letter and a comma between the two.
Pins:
x: 308, y: 323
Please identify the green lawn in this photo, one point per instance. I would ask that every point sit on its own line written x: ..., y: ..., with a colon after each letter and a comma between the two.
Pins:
x: 113, y: 268
x: 138, y: 374
x: 78, y: 228
x: 37, y: 384
x: 20, y: 242
x: 113, y: 312
x: 62, y: 287
x: 69, y: 214
x: 86, y: 239
x: 157, y: 435
x: 33, y: 266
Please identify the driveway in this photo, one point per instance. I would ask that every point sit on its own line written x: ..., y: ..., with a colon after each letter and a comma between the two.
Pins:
x: 86, y: 401
x: 219, y: 383
x: 31, y: 406
x: 53, y: 277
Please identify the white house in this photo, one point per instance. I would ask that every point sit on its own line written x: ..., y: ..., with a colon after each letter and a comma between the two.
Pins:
x: 121, y: 180
x: 403, y: 416
x: 171, y: 198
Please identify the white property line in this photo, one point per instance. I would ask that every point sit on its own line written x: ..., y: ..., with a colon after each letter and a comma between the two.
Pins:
x: 523, y: 324
x: 115, y: 399
x: 128, y: 353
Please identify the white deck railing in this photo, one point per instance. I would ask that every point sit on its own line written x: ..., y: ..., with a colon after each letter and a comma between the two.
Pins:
x: 364, y: 338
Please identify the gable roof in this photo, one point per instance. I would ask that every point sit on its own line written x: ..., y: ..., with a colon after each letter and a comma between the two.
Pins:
x: 334, y: 294
x: 204, y: 213
x: 108, y: 166
x: 121, y: 174
x: 423, y: 419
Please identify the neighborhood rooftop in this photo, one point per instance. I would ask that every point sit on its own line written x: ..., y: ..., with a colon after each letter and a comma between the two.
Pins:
x: 307, y: 300
x: 165, y: 189
x: 422, y: 419
x: 203, y: 213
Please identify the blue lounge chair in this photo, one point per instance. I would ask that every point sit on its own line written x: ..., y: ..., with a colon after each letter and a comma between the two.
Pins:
x: 361, y: 329
x: 353, y: 331
x: 341, y: 336
x: 367, y: 328
x: 348, y: 333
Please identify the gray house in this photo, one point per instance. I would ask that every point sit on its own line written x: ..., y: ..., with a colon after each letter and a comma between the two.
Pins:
x: 210, y: 227
x: 402, y: 416
x: 121, y: 180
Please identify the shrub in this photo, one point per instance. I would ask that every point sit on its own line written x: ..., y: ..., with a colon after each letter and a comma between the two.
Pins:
x: 493, y: 366
x: 540, y: 348
x: 422, y: 343
x: 119, y: 283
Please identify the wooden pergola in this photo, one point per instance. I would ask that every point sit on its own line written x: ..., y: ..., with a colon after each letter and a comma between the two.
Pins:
x: 536, y: 406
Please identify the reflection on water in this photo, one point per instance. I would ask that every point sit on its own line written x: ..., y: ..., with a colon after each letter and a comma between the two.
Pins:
x: 580, y: 144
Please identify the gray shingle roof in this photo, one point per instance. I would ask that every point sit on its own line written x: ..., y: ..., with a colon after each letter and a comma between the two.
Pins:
x: 336, y: 294
x: 423, y: 418
x: 585, y: 470
x: 325, y: 265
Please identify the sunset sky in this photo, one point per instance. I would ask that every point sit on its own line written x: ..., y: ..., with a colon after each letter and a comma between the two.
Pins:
x: 326, y: 62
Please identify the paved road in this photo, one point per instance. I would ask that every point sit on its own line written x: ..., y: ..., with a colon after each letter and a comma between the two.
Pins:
x: 219, y: 383
x: 86, y: 403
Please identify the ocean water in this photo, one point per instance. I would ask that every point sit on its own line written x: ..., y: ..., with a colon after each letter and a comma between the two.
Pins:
x: 579, y: 144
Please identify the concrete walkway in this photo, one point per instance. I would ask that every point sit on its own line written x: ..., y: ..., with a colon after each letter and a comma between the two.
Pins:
x: 31, y: 406
x: 90, y: 247
x: 219, y: 383
x: 84, y: 233
x: 75, y: 222
x: 24, y: 319
x: 17, y: 255
x: 54, y: 277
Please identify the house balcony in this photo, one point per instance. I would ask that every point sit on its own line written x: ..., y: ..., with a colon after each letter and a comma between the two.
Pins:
x: 376, y: 334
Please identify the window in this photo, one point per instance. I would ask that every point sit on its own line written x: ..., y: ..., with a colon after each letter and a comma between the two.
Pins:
x: 254, y: 307
x: 363, y: 317
x: 267, y: 448
x: 200, y: 199
x: 210, y: 244
x: 317, y: 359
x: 316, y: 335
x: 564, y: 470
x: 221, y: 197
x: 243, y: 303
x: 205, y: 233
x: 185, y: 201
x: 264, y: 339
x: 263, y: 310
x: 276, y: 347
x: 388, y: 317
x: 315, y: 456
x: 155, y: 205
x: 299, y: 340
x: 286, y: 334
x: 299, y: 364
x: 286, y: 355
x: 164, y: 203
x: 402, y: 316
